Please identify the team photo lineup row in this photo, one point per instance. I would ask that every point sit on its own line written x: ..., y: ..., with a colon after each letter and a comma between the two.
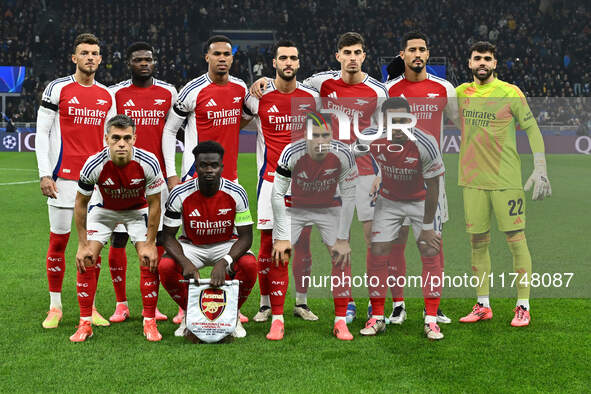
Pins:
x: 137, y: 193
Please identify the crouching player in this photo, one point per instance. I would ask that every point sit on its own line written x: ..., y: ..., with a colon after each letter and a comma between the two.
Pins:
x: 410, y: 189
x: 129, y: 180
x: 208, y: 207
x: 313, y: 168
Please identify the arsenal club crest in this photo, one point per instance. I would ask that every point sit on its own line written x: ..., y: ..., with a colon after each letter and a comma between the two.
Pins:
x: 212, y: 303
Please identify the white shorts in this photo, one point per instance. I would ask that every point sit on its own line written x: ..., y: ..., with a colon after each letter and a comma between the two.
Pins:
x: 163, y: 197
x: 101, y: 222
x: 264, y: 208
x: 391, y: 215
x: 66, y: 193
x: 202, y: 255
x: 326, y: 219
x: 442, y: 213
x: 365, y: 209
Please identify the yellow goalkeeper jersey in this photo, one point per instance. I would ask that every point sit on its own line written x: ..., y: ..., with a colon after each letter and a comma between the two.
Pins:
x: 488, y: 150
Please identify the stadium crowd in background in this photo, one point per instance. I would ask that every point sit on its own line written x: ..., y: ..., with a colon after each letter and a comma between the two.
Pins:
x: 544, y: 44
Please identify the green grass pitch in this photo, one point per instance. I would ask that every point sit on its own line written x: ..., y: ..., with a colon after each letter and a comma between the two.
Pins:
x: 550, y: 355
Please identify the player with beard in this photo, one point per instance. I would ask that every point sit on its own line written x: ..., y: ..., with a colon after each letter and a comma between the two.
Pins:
x: 490, y: 174
x: 353, y: 91
x: 147, y: 101
x: 279, y: 121
x: 429, y: 97
x: 70, y: 127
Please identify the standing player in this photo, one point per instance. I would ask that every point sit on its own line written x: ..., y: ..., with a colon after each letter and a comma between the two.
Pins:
x: 147, y: 101
x: 208, y: 207
x: 410, y: 190
x: 212, y: 105
x: 490, y: 173
x: 129, y: 182
x: 429, y: 97
x: 312, y: 169
x: 70, y: 127
x: 280, y: 118
x: 354, y: 92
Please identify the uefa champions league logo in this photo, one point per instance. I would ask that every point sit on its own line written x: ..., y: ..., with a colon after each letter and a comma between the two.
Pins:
x: 9, y: 142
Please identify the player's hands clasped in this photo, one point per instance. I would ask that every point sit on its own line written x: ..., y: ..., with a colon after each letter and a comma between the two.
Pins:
x: 48, y: 187
x: 281, y: 252
x: 341, y: 253
x: 84, y: 258
x: 429, y: 243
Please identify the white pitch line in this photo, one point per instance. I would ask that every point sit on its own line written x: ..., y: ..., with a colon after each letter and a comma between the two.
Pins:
x: 17, y: 169
x: 18, y: 183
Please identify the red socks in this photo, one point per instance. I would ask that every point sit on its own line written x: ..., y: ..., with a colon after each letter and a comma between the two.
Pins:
x: 86, y: 289
x: 432, y: 281
x: 170, y: 274
x: 341, y: 290
x: 118, y: 269
x: 265, y: 261
x: 149, y: 289
x: 56, y: 261
x: 377, y: 272
x: 397, y: 268
x: 246, y: 273
x: 302, y: 260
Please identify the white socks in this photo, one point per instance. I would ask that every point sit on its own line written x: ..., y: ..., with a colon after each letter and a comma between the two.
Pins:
x: 524, y: 303
x: 338, y: 318
x: 55, y: 300
x: 265, y: 301
x: 277, y: 317
x: 484, y: 300
x: 301, y: 298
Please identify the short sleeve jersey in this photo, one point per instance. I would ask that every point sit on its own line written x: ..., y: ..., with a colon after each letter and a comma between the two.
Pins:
x: 314, y: 183
x: 149, y: 108
x: 207, y: 220
x: 281, y: 119
x: 122, y: 188
x: 213, y: 113
x: 488, y: 117
x: 405, y: 166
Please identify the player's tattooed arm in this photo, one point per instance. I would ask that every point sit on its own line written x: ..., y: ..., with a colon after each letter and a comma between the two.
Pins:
x: 84, y: 255
x: 429, y: 241
x: 175, y: 251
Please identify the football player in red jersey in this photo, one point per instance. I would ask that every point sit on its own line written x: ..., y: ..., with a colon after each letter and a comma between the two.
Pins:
x: 70, y: 127
x: 410, y: 169
x: 312, y: 169
x: 212, y: 105
x: 128, y: 182
x: 430, y: 97
x: 208, y: 207
x: 148, y: 101
x: 355, y: 92
x: 280, y: 117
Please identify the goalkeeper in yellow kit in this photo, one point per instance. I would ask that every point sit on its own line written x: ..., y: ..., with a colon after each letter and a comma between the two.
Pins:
x: 490, y: 174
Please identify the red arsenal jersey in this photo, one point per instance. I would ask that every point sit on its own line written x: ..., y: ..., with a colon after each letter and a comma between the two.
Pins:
x: 122, y: 188
x: 148, y: 107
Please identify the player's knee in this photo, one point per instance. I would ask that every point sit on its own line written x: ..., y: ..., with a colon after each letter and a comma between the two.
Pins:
x: 480, y: 241
x: 119, y: 240
x: 246, y: 266
x: 380, y: 248
x: 427, y: 251
x: 514, y: 236
x: 166, y: 266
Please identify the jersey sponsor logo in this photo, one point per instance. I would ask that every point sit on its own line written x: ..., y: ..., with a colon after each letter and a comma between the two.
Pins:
x: 212, y: 303
x: 129, y: 103
x: 237, y: 99
x: 159, y: 101
x: 145, y: 117
x: 101, y: 102
x: 329, y: 171
x: 287, y: 122
x: 224, y: 211
x: 398, y: 174
x: 108, y: 182
x: 410, y: 160
x: 432, y: 95
x: 209, y: 227
x: 273, y: 109
x: 225, y: 117
x: 332, y: 95
x: 211, y: 103
x: 73, y: 100
x: 136, y: 181
x: 91, y: 117
x: 361, y: 102
x: 194, y: 213
x: 350, y: 112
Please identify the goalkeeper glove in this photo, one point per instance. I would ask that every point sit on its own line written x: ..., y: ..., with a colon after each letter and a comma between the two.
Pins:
x: 539, y: 179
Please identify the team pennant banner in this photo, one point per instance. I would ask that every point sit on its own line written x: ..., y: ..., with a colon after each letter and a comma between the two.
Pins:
x: 212, y: 311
